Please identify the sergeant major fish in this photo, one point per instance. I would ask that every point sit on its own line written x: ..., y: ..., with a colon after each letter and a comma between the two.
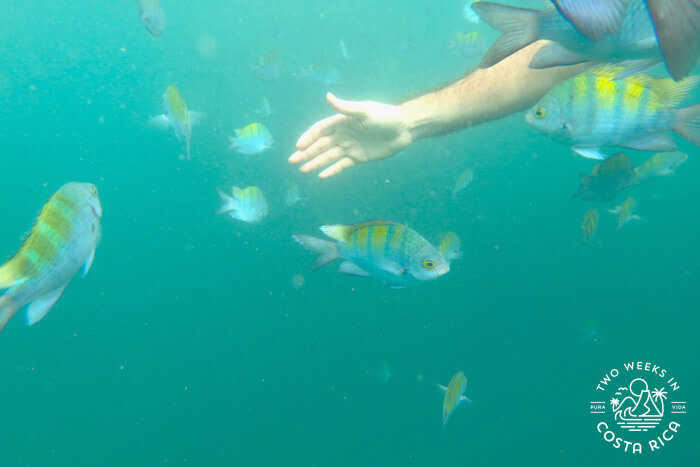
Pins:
x: 463, y: 181
x: 589, y: 225
x: 269, y: 66
x: 597, y: 109
x: 247, y: 204
x: 176, y: 116
x: 292, y: 197
x: 382, y: 249
x: 152, y: 16
x: 64, y: 237
x: 454, y: 395
x: 253, y: 139
x: 469, y: 46
x: 625, y: 212
x: 450, y: 246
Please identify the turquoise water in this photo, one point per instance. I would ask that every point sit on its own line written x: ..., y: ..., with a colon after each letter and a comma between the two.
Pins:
x: 188, y: 344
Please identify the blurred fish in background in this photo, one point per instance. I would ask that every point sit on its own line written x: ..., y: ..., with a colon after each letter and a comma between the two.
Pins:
x: 152, y: 16
x: 246, y: 204
x: 269, y: 66
x: 253, y: 139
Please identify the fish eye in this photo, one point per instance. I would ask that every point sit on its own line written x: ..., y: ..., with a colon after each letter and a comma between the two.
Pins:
x: 540, y: 113
x: 564, y: 126
x: 428, y: 264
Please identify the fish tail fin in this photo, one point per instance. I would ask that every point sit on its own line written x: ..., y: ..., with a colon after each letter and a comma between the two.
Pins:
x: 228, y: 203
x: 187, y: 144
x: 327, y: 251
x: 8, y: 308
x: 687, y: 123
x: 584, y: 180
x: 520, y: 28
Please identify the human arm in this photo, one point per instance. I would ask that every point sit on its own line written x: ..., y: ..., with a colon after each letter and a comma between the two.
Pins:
x: 365, y: 131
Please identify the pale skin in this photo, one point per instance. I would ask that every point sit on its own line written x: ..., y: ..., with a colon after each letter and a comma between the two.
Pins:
x: 365, y: 131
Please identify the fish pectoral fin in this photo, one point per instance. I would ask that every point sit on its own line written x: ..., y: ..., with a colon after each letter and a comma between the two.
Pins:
x: 391, y: 267
x: 590, y: 153
x: 159, y: 121
x: 662, y: 142
x: 554, y: 54
x: 40, y: 306
x: 347, y: 267
x: 464, y: 398
x: 441, y: 387
x: 88, y: 262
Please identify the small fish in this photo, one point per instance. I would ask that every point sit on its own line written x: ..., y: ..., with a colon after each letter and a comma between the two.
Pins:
x: 469, y: 45
x: 64, y: 237
x: 469, y: 13
x: 450, y: 246
x: 152, y: 16
x: 590, y: 331
x: 247, y: 204
x: 635, y: 38
x: 253, y: 139
x: 385, y: 374
x: 661, y: 164
x: 264, y: 110
x: 607, y: 180
x: 269, y: 66
x: 292, y: 196
x: 344, y: 50
x: 589, y: 225
x: 597, y: 108
x: 176, y: 116
x: 454, y: 395
x: 324, y: 75
x: 463, y: 181
x: 383, y: 249
x: 624, y: 212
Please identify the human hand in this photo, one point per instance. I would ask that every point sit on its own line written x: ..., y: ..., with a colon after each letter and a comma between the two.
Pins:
x: 361, y: 132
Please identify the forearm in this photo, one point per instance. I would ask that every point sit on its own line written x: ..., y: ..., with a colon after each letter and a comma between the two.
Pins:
x: 487, y: 94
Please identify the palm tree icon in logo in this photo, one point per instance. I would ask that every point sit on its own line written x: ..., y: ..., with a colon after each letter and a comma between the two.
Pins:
x: 641, y: 409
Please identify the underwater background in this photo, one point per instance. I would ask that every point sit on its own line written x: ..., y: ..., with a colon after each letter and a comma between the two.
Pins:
x: 189, y: 344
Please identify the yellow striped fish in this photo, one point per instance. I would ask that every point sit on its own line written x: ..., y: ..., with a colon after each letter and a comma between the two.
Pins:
x: 625, y: 212
x: 382, y: 249
x: 600, y: 108
x: 247, y: 204
x: 450, y: 246
x: 177, y: 116
x: 661, y: 164
x: 454, y: 394
x: 589, y: 225
x: 269, y: 66
x: 253, y: 139
x: 64, y: 238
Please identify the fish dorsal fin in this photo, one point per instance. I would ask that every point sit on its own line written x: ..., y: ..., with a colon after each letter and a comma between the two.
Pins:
x: 339, y: 232
x: 669, y: 92
x: 40, y: 306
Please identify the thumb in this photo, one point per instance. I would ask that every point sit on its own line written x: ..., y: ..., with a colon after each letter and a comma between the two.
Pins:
x: 349, y: 108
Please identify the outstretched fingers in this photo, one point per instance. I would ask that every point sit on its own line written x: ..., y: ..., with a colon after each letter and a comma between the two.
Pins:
x: 323, y: 159
x: 319, y: 129
x: 335, y: 169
